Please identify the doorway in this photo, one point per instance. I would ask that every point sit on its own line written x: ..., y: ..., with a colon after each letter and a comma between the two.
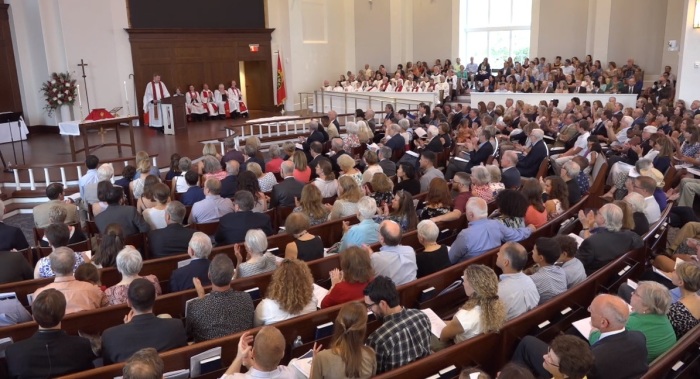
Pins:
x: 252, y: 75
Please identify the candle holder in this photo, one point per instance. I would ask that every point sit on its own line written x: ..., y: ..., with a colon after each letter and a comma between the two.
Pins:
x: 128, y: 108
x: 82, y: 116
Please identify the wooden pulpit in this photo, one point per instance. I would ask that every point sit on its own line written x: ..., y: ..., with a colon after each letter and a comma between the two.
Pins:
x: 178, y: 118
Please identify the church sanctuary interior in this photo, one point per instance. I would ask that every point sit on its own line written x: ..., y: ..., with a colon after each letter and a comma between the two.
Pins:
x: 443, y: 189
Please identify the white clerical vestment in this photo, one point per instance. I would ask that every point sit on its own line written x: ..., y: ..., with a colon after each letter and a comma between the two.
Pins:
x: 155, y: 92
x: 224, y: 102
x: 236, y: 95
x: 194, y: 105
x: 207, y: 98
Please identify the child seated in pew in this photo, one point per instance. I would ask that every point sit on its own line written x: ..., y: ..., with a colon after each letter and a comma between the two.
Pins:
x: 87, y: 272
x: 575, y: 272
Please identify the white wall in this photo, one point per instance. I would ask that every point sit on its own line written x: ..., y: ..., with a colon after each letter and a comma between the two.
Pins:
x: 432, y: 30
x: 372, y: 33
x: 674, y: 28
x: 688, y: 73
x: 637, y: 31
x: 52, y: 36
x: 562, y: 28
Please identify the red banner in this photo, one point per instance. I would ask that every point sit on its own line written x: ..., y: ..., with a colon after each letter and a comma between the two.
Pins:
x: 281, y: 90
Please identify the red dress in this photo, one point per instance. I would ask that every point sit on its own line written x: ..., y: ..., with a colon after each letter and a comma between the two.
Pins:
x: 344, y: 292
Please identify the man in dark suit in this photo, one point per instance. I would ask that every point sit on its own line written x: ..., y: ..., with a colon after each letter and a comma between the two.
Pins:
x: 510, y: 176
x: 231, y: 152
x: 316, y: 155
x: 577, y: 88
x: 609, y: 243
x: 194, y: 193
x: 14, y: 267
x: 337, y: 148
x: 476, y: 155
x: 284, y: 192
x: 251, y: 153
x: 395, y: 141
x: 315, y: 136
x: 198, y: 249
x: 229, y: 184
x: 141, y: 327
x: 569, y: 172
x: 620, y: 354
x: 385, y: 162
x: 50, y: 352
x: 174, y: 238
x: 547, y: 87
x: 10, y: 237
x: 530, y: 163
x: 125, y: 215
x: 234, y: 226
x: 631, y: 87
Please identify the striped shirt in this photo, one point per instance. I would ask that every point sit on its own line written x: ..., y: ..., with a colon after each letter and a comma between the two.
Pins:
x: 550, y: 282
x: 403, y: 338
x: 575, y: 272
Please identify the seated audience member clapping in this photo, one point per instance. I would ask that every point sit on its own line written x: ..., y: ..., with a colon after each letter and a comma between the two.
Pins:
x: 141, y: 327
x: 263, y: 358
x: 311, y: 205
x: 248, y: 182
x: 233, y: 309
x: 347, y: 356
x: 198, y: 249
x: 80, y: 296
x: 536, y: 213
x: 685, y: 313
x: 50, y: 351
x: 58, y: 235
x: 326, y: 181
x: 483, y: 234
x: 484, y: 312
x: 393, y: 260
x: 404, y: 336
x: 575, y: 272
x: 512, y: 207
x: 434, y: 256
x: 111, y: 243
x: 57, y: 215
x: 366, y: 232
x: 608, y: 244
x: 380, y: 188
x: 284, y: 301
x: 557, y: 196
x: 155, y: 216
x: 347, y: 167
x: 650, y: 305
x: 406, y: 176
x: 258, y: 260
x: 194, y: 192
x: 349, y: 194
x: 400, y: 211
x: 438, y: 202
x: 348, y: 283
x: 306, y: 246
x: 129, y: 264
x: 481, y: 183
x: 622, y: 352
x: 549, y: 278
x: 234, y: 226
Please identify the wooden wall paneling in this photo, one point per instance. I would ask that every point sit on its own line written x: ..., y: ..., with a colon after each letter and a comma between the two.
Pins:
x: 10, y: 99
x: 202, y: 56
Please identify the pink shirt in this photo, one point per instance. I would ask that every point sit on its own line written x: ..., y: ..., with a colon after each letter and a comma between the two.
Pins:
x: 303, y: 176
x: 80, y: 296
x: 273, y: 165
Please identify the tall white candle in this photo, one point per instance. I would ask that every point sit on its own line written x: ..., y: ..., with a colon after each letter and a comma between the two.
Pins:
x: 80, y: 101
x: 126, y: 93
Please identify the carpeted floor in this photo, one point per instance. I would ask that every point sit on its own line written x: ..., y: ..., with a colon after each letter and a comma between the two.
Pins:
x: 24, y: 222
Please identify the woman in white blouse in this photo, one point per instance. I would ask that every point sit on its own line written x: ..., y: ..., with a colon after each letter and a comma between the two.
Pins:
x: 285, y: 301
x: 483, y: 312
x: 155, y: 216
x: 326, y: 181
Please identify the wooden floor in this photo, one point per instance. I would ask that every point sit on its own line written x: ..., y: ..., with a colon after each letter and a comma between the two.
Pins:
x: 54, y: 148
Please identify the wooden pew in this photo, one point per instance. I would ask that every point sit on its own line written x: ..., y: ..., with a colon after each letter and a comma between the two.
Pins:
x: 682, y: 361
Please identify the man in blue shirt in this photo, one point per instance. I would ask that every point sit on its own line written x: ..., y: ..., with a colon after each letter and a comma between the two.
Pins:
x: 483, y: 234
x: 90, y: 176
x: 367, y: 231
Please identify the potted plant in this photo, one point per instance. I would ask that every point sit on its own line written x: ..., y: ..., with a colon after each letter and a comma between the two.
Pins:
x: 59, y: 93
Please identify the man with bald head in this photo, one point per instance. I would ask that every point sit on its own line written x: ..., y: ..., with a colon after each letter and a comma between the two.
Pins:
x: 263, y: 358
x: 534, y: 155
x: 284, y: 192
x: 618, y: 353
x: 393, y: 260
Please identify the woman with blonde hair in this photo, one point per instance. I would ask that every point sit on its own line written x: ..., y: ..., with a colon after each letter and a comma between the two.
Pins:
x: 373, y: 167
x: 351, y: 140
x: 302, y: 171
x: 311, y: 204
x: 381, y: 189
x: 348, y: 195
x: 495, y: 183
x: 209, y: 149
x: 348, y: 357
x: 484, y: 312
x: 285, y: 301
x: 266, y: 180
x: 143, y: 156
x: 288, y: 148
x: 143, y: 169
x: 364, y: 133
x: 347, y: 166
x: 685, y: 313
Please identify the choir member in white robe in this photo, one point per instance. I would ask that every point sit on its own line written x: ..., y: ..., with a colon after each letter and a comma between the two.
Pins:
x: 207, y: 98
x: 195, y: 108
x: 326, y: 86
x: 226, y: 105
x: 236, y: 95
x: 155, y: 92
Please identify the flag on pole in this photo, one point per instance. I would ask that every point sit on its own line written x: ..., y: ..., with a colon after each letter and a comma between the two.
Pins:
x: 281, y: 90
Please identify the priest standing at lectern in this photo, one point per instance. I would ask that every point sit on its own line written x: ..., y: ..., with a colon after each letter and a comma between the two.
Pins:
x: 153, y: 112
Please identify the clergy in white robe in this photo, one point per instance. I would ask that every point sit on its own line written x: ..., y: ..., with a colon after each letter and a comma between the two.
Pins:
x: 207, y: 98
x: 155, y: 92
x: 236, y: 95
x: 226, y: 105
x: 193, y: 102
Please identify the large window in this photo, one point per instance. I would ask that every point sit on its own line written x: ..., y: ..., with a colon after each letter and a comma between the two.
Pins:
x: 496, y: 29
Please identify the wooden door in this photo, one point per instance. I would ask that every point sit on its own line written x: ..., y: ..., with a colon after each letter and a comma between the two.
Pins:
x: 255, y: 89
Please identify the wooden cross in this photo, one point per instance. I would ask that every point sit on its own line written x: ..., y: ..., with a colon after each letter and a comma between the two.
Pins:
x: 87, y: 97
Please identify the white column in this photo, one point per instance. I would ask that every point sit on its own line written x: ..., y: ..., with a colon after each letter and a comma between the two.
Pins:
x: 535, y: 29
x: 689, y: 65
x: 349, y: 19
x: 601, y: 30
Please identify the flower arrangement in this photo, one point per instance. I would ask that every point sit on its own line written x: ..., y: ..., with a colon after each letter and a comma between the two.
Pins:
x: 58, y: 91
